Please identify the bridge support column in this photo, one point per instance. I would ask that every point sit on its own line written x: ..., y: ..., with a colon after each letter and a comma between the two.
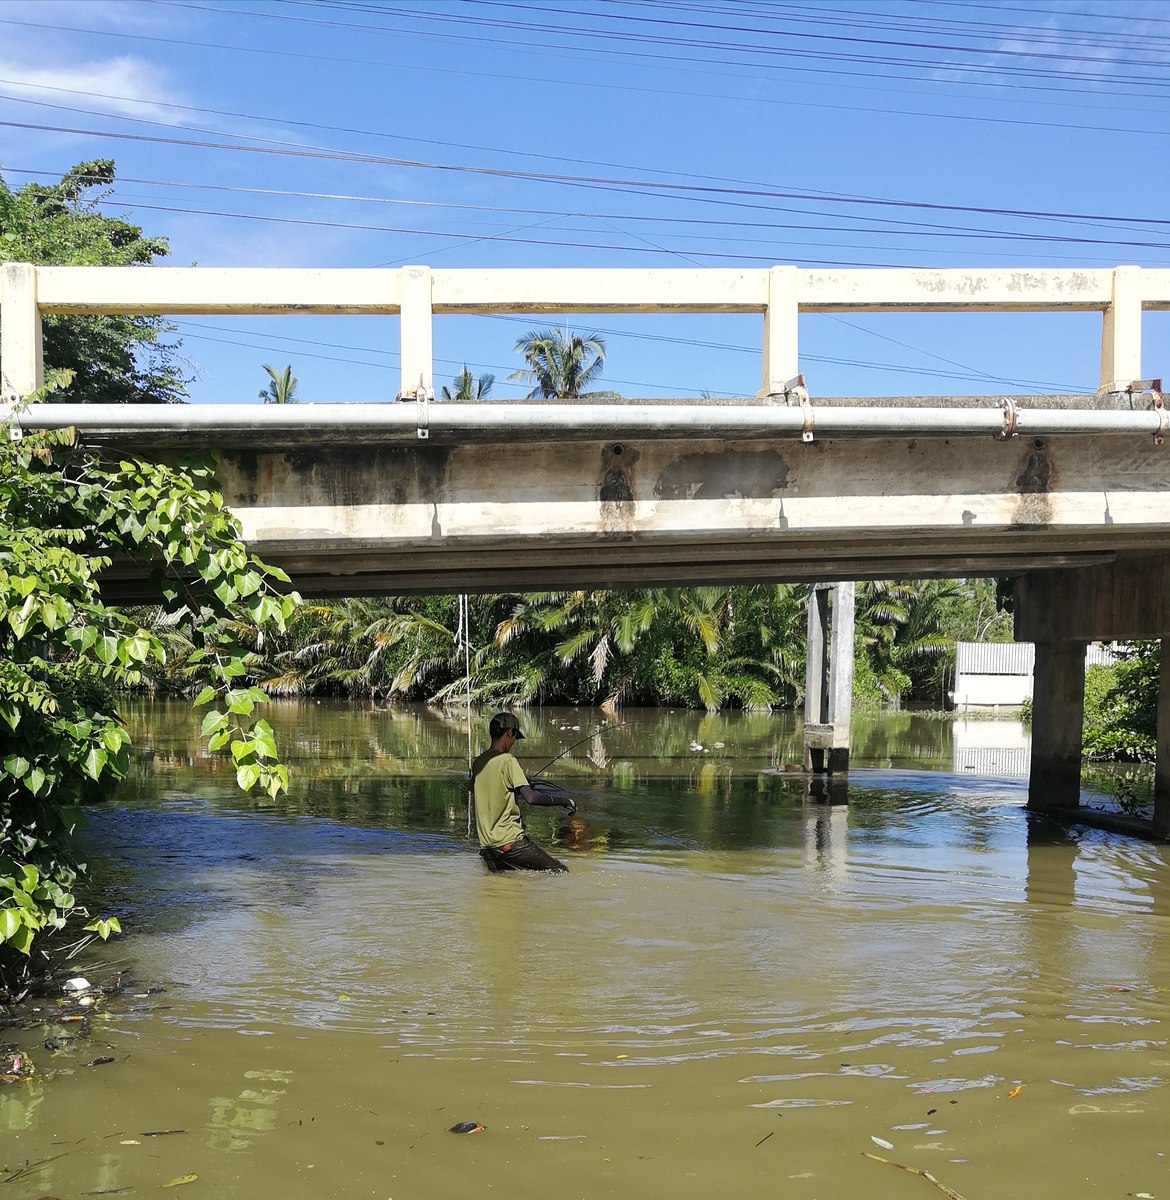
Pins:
x: 1058, y: 712
x: 828, y: 675
x: 1162, y: 762
x: 21, y: 359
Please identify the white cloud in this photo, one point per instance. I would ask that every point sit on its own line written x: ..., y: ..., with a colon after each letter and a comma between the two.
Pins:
x: 124, y: 86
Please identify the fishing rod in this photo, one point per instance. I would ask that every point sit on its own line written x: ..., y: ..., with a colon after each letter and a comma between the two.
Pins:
x: 601, y: 730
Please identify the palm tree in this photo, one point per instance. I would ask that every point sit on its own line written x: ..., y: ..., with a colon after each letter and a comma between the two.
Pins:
x: 282, y: 387
x: 561, y: 366
x: 467, y: 387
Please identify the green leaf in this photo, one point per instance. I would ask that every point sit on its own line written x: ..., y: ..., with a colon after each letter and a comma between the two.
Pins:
x: 204, y: 696
x: 213, y: 722
x: 247, y: 775
x: 34, y: 780
x: 240, y: 702
x: 95, y: 762
x: 225, y: 592
x: 10, y: 922
x: 22, y: 939
x: 104, y: 927
x: 16, y: 766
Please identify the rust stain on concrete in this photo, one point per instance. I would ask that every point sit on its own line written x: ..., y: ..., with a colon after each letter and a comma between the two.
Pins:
x: 1034, y: 483
x: 615, y: 490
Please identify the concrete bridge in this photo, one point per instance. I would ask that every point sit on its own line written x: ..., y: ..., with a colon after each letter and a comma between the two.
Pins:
x: 1067, y: 493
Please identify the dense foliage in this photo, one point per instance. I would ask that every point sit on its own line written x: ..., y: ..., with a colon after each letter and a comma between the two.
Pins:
x: 67, y: 514
x: 704, y: 647
x: 110, y: 359
x: 1121, y: 705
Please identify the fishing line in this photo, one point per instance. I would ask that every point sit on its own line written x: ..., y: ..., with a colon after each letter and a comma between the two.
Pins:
x: 600, y: 731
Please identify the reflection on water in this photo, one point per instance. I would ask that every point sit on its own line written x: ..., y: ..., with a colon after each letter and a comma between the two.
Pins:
x: 992, y: 747
x: 733, y: 989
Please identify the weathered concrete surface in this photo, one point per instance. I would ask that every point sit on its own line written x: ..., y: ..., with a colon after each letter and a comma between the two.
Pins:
x: 515, y: 517
x: 1054, y: 780
x: 1129, y: 598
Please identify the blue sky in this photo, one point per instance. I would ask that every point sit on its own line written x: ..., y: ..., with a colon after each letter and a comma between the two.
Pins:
x: 469, y: 133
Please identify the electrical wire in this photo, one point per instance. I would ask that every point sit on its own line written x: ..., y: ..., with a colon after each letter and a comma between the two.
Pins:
x: 650, y: 187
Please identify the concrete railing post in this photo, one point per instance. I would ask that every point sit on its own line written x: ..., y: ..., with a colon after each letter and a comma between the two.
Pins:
x: 780, y: 331
x: 1121, y: 332
x: 415, y: 317
x: 1058, y: 712
x: 21, y: 357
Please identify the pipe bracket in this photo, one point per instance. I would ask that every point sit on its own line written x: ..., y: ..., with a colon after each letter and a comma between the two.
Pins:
x: 1154, y: 387
x: 1011, y: 415
x: 795, y: 391
x: 422, y: 397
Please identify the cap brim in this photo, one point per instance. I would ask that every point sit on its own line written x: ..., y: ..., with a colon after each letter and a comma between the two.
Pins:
x: 518, y: 734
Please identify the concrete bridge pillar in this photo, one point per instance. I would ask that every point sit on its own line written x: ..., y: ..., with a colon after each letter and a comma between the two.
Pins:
x: 828, y: 678
x: 1061, y: 611
x: 1058, y: 713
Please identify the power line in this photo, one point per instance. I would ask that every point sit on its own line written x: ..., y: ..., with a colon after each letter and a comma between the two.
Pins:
x: 683, y: 191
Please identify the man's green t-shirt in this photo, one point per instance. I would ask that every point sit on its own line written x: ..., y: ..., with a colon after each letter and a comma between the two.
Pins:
x: 497, y: 815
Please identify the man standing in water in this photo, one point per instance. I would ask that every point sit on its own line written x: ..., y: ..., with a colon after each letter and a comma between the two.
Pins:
x: 497, y: 779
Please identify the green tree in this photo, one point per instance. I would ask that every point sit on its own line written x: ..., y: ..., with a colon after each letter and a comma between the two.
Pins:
x: 467, y: 387
x: 903, y: 629
x: 1122, y: 724
x: 561, y: 366
x: 281, y: 387
x: 65, y: 513
x: 110, y: 359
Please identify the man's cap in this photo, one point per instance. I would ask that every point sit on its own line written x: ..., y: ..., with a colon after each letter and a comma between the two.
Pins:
x: 502, y: 722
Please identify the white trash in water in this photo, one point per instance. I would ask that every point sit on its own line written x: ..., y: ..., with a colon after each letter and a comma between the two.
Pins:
x: 77, y: 984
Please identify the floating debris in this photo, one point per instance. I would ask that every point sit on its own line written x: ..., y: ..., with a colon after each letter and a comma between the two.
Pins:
x: 942, y: 1187
x: 181, y: 1179
x: 77, y: 984
x: 15, y: 1065
x: 467, y: 1127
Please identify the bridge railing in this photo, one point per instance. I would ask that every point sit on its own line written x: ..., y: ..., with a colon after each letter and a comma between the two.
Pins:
x: 416, y: 293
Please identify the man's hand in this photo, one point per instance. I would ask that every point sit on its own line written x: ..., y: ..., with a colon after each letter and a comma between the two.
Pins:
x: 570, y: 805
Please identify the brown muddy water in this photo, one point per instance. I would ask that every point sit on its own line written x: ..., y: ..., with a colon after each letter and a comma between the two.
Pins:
x: 734, y: 993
